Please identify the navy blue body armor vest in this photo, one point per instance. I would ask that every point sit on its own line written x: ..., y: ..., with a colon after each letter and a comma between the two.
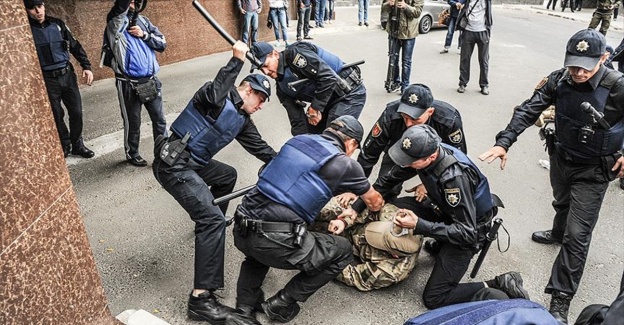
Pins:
x: 292, y: 178
x: 208, y: 136
x: 570, y: 118
x: 51, y: 47
x: 482, y: 194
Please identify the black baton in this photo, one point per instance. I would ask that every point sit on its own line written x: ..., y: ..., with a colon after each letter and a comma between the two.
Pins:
x: 222, y: 31
x: 489, y: 238
x: 294, y: 84
x: 232, y: 195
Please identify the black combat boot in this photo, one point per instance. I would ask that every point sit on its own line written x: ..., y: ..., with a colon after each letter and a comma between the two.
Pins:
x: 243, y: 315
x: 511, y: 284
x: 206, y: 307
x: 281, y: 307
x: 559, y: 305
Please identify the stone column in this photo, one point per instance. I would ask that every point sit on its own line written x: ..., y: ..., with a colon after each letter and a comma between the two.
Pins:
x: 47, y: 270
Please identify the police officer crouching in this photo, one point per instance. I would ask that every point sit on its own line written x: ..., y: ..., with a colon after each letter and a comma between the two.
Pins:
x: 331, y: 89
x: 462, y: 195
x: 271, y: 220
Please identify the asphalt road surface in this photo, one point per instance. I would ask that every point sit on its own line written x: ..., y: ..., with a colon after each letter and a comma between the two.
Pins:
x: 143, y: 240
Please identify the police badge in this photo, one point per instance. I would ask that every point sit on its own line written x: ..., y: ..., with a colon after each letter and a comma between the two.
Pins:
x: 300, y: 61
x: 456, y: 137
x: 452, y: 196
x: 376, y: 130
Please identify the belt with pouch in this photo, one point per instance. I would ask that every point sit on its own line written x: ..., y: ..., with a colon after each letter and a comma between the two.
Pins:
x: 270, y: 226
x: 132, y: 79
x: 56, y: 73
x: 352, y: 76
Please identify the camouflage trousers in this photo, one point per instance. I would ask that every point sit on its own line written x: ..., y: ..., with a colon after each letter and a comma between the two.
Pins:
x: 375, y: 268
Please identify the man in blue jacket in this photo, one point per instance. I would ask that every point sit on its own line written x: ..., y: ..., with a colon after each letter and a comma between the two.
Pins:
x: 132, y: 40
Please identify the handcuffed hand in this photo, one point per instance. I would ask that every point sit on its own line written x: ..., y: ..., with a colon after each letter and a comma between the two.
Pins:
x: 406, y: 219
x: 314, y: 116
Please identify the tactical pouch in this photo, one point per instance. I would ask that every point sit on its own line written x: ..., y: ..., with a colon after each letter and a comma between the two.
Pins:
x: 170, y: 152
x: 241, y: 225
x: 549, y: 136
x: 146, y: 91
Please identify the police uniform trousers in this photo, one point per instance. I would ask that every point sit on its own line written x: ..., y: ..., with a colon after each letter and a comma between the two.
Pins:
x: 451, y: 263
x: 604, y: 16
x: 64, y: 88
x: 578, y: 191
x: 194, y: 187
x: 482, y: 41
x: 320, y: 259
x: 350, y: 104
x: 131, y: 115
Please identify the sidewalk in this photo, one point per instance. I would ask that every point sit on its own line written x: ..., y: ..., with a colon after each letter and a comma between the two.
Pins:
x: 584, y: 15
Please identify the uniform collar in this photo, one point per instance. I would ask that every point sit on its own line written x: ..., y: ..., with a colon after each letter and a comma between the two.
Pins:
x: 237, y: 100
x: 281, y: 66
x: 35, y: 23
x: 593, y: 82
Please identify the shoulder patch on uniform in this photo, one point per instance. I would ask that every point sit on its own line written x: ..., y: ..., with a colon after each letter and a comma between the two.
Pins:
x: 376, y: 130
x: 541, y: 83
x: 452, y: 196
x: 456, y: 137
x: 300, y: 61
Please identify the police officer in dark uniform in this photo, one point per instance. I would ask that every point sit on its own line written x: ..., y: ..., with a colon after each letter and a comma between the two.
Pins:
x: 271, y: 222
x: 416, y: 106
x: 464, y: 212
x: 218, y: 113
x: 54, y: 42
x: 331, y: 90
x: 584, y: 154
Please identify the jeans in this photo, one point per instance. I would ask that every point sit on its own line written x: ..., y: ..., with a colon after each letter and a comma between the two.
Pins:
x: 450, y: 32
x: 470, y: 39
x: 329, y: 11
x: 303, y: 22
x: 406, y: 47
x: 319, y: 11
x: 278, y: 17
x: 363, y: 10
x: 251, y: 20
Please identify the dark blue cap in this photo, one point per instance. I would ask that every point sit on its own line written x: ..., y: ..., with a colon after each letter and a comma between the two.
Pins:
x: 30, y: 4
x: 260, y: 83
x: 417, y: 142
x: 416, y: 99
x: 261, y: 50
x: 349, y: 126
x: 584, y: 49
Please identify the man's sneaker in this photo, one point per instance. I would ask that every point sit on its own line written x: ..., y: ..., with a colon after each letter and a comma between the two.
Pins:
x: 546, y: 237
x: 360, y: 24
x: 366, y: 24
x: 559, y: 306
x: 243, y: 315
x: 511, y: 284
x: 485, y: 90
x: 299, y: 38
x: 444, y: 51
x: 461, y: 89
x: 395, y: 88
x: 308, y: 37
x: 206, y: 307
x: 281, y: 307
x: 138, y: 161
